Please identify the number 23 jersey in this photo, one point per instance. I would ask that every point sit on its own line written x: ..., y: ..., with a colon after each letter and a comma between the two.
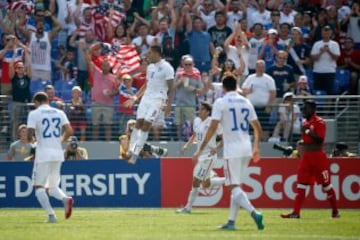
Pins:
x: 235, y: 113
x: 48, y: 123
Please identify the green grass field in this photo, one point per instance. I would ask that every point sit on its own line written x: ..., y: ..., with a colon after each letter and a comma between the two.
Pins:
x: 160, y: 224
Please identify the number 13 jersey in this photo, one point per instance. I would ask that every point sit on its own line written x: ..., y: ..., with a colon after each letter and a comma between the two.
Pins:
x: 48, y: 123
x: 235, y: 113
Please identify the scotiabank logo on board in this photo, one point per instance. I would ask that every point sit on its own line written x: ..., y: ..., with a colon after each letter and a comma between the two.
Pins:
x: 269, y: 183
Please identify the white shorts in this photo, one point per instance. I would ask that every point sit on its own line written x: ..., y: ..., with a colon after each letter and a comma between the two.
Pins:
x: 149, y: 109
x: 202, y: 169
x: 46, y: 174
x: 234, y: 170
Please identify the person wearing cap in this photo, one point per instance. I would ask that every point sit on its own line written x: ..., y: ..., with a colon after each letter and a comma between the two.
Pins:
x: 314, y: 164
x: 20, y: 149
x: 77, y: 112
x: 73, y: 151
x: 324, y: 54
x: 350, y: 60
x: 289, y: 121
x: 269, y: 48
x: 302, y: 86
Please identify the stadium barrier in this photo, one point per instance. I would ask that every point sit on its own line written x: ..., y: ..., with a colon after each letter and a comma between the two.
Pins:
x: 164, y: 182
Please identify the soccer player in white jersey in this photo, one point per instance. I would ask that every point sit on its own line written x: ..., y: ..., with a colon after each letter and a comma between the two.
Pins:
x: 235, y: 113
x: 51, y: 127
x: 203, y: 173
x: 158, y: 94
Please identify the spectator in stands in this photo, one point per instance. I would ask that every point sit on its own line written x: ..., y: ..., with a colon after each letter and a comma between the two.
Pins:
x: 350, y: 60
x: 120, y: 35
x: 73, y: 151
x: 74, y: 11
x: 219, y: 32
x: 275, y: 20
x: 143, y: 40
x: 170, y: 53
x: 302, y: 86
x: 40, y: 46
x: 319, y: 21
x: 54, y: 101
x: 351, y: 24
x: 77, y: 112
x: 282, y: 73
x: 139, y: 79
x: 21, y: 148
x: 236, y: 11
x: 67, y: 66
x: 206, y: 11
x: 188, y: 87
x: 269, y: 48
x: 324, y: 54
x: 126, y: 91
x: 239, y: 52
x: 102, y: 93
x: 260, y: 89
x: 82, y: 45
x: 260, y: 15
x: 20, y: 75
x: 166, y: 26
x: 287, y: 14
x: 200, y: 44
x: 299, y: 52
x: 255, y: 42
x: 284, y: 36
x: 289, y: 121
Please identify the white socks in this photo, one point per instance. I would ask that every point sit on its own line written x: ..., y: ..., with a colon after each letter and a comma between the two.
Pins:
x: 142, y: 137
x: 191, y: 199
x: 57, y: 193
x: 133, y: 138
x: 241, y: 199
x: 217, y: 181
x: 234, y: 209
x: 44, y: 200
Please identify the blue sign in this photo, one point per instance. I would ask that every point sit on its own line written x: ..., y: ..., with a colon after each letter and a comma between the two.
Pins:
x: 92, y: 183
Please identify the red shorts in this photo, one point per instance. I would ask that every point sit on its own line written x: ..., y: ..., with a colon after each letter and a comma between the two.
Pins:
x: 314, y: 165
x: 76, y: 125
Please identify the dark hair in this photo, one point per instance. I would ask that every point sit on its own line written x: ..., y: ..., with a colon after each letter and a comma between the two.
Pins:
x: 41, y: 97
x: 157, y: 49
x: 207, y: 106
x: 311, y: 103
x: 229, y: 83
x: 220, y: 12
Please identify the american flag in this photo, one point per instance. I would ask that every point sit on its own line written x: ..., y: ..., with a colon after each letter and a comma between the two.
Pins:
x: 123, y: 59
x: 102, y: 15
x: 14, y: 6
x: 195, y: 74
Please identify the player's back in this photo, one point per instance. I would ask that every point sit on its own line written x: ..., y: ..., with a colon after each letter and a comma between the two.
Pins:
x: 48, y: 123
x: 235, y: 113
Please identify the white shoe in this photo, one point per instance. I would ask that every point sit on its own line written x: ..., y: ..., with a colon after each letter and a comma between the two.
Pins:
x: 183, y: 210
x: 52, y: 219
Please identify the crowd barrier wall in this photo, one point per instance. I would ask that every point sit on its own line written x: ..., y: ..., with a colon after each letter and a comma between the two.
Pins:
x: 271, y: 183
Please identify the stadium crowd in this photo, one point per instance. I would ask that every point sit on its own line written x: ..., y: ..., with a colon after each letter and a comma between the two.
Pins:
x: 90, y: 56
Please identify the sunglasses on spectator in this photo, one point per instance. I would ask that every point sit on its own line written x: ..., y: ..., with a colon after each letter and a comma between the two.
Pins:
x: 188, y: 64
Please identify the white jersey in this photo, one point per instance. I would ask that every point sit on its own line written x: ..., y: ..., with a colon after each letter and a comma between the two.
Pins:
x: 200, y: 128
x: 235, y: 113
x: 157, y: 75
x: 48, y: 123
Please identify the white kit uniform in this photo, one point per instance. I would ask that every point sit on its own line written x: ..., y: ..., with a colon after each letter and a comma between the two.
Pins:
x: 155, y: 95
x: 203, y: 168
x: 48, y: 123
x: 235, y: 113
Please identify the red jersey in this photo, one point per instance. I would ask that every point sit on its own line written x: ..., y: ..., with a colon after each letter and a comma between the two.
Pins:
x: 317, y: 125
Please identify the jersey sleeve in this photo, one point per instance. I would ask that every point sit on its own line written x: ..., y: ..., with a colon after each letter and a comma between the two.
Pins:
x: 169, y: 74
x: 320, y: 129
x: 216, y: 111
x: 31, y: 122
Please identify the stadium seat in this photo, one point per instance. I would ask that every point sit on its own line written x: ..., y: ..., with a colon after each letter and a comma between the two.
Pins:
x: 38, y: 85
x: 66, y: 95
x: 61, y: 85
x: 342, y: 81
x: 320, y: 100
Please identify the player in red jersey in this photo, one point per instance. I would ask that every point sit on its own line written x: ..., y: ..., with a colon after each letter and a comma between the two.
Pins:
x: 314, y: 163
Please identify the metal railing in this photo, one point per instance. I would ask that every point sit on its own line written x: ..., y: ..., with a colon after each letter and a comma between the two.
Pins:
x: 342, y: 113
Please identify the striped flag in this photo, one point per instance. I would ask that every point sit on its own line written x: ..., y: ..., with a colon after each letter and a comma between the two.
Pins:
x: 14, y: 6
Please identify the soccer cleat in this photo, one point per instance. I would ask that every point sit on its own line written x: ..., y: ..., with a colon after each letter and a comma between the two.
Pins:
x: 227, y: 226
x: 335, y: 214
x: 183, y: 210
x: 290, y: 215
x: 258, y: 218
x: 68, y: 204
x: 52, y: 219
x: 161, y: 152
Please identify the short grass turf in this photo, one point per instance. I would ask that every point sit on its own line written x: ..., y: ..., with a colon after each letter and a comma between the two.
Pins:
x: 161, y: 224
